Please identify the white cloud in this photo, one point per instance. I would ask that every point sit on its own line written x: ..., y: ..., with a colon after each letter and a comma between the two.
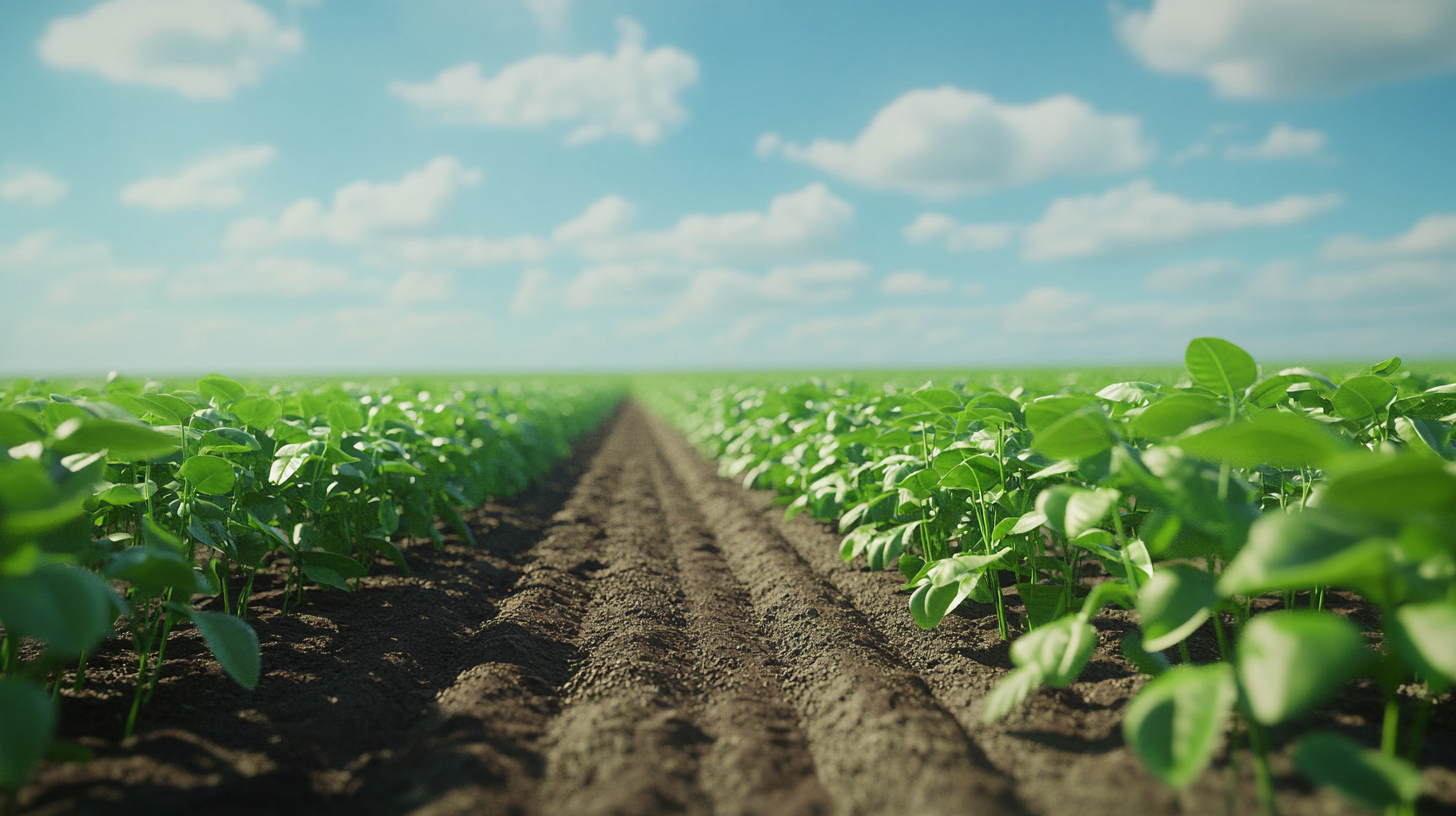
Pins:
x: 1267, y: 49
x: 550, y: 13
x: 417, y: 286
x: 715, y: 291
x: 361, y: 209
x: 1283, y: 142
x: 1197, y: 150
x: 536, y: 292
x: 946, y: 142
x: 46, y: 251
x: 35, y: 187
x: 269, y: 276
x: 202, y: 49
x: 767, y: 145
x: 958, y: 237
x: 210, y: 182
x: 1434, y: 234
x: 1184, y: 276
x: 914, y: 282
x: 111, y: 285
x: 632, y: 93
x: 1136, y: 217
x: 795, y: 225
x: 459, y: 252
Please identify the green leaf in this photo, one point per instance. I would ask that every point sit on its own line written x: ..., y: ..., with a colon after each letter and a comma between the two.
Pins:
x: 1302, y: 550
x: 167, y: 406
x: 1385, y: 368
x: 1175, y: 414
x: 1133, y: 392
x: 977, y: 473
x: 1073, y: 511
x: 228, y: 440
x: 344, y: 417
x: 17, y: 428
x: 256, y: 412
x: 1069, y: 427
x: 1272, y: 390
x: 123, y: 441
x: 122, y: 495
x: 209, y: 474
x: 1290, y: 661
x: 1269, y: 438
x: 1426, y: 636
x: 1044, y: 604
x: 342, y: 564
x: 1370, y: 778
x: 1392, y: 488
x: 1173, y: 603
x: 1149, y: 663
x: 929, y: 604
x: 1060, y: 649
x: 1175, y: 724
x: 30, y: 719
x: 220, y: 388
x: 1363, y: 397
x: 1220, y: 366
x: 1008, y: 694
x: 153, y: 570
x: 69, y: 608
x: 234, y: 644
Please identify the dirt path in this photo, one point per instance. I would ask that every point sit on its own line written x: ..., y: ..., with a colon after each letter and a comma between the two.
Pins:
x: 633, y: 637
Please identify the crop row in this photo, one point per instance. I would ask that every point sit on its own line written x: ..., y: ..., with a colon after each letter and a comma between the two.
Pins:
x: 1227, y: 501
x: 123, y: 507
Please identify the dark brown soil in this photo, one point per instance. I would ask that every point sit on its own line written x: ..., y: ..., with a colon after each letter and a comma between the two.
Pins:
x: 634, y: 636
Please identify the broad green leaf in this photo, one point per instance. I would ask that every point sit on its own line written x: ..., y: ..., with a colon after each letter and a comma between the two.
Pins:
x: 1060, y: 649
x: 1073, y: 511
x: 1149, y: 663
x: 122, y: 495
x: 30, y: 719
x: 1133, y: 392
x: 1269, y: 438
x: 220, y: 388
x: 1363, y: 397
x: 1302, y: 550
x: 1385, y: 368
x: 1010, y: 692
x: 344, y: 417
x: 1370, y: 778
x: 1175, y: 414
x: 977, y: 473
x: 1290, y: 661
x: 1044, y: 604
x: 234, y: 644
x: 1069, y: 427
x: 1173, y: 603
x: 167, y: 406
x: 17, y: 428
x: 1426, y: 635
x: 154, y: 570
x: 228, y: 440
x: 256, y: 412
x: 209, y: 474
x: 1176, y: 723
x: 1424, y: 436
x: 1220, y: 366
x: 939, y: 399
x: 929, y: 604
x: 1272, y: 390
x: 1392, y: 488
x: 342, y: 564
x: 123, y: 441
x: 69, y: 608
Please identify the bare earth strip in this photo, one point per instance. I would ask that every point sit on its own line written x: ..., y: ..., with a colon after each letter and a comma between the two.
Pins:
x: 634, y: 637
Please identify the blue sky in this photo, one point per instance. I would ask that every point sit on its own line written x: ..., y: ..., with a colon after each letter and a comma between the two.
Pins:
x: 264, y: 185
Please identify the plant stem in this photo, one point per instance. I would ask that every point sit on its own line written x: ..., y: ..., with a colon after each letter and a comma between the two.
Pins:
x: 1391, y: 726
x: 1417, y: 736
x: 1262, y: 775
x: 1231, y: 785
x: 80, y: 682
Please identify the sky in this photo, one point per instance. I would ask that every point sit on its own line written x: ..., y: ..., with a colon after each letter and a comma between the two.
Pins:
x: 583, y: 185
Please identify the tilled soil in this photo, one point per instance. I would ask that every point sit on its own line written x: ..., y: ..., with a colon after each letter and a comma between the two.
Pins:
x: 635, y: 636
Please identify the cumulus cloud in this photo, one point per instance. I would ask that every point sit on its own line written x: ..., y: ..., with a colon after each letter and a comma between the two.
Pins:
x: 1184, y: 276
x: 1136, y: 218
x: 47, y: 250
x: 209, y: 182
x: 35, y: 187
x: 632, y: 93
x: 1283, y: 142
x: 795, y: 225
x: 946, y: 142
x: 914, y: 282
x: 270, y: 276
x: 109, y: 285
x: 551, y: 14
x: 419, y: 286
x: 712, y: 291
x: 1434, y: 234
x: 957, y: 237
x: 1268, y: 49
x: 536, y: 291
x: 459, y: 252
x: 360, y: 209
x: 202, y: 49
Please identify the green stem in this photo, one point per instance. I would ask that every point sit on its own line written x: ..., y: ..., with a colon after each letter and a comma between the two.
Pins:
x: 1231, y: 785
x: 1417, y: 734
x: 1262, y: 775
x: 1391, y: 727
x: 80, y: 682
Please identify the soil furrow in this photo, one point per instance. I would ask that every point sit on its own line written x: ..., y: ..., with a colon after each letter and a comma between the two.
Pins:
x: 863, y: 712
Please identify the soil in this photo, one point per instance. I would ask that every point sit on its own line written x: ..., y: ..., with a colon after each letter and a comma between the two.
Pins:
x: 635, y: 636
